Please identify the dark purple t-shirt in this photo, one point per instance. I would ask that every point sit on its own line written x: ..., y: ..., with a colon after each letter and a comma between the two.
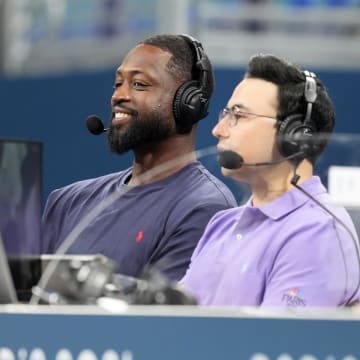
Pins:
x: 154, y: 224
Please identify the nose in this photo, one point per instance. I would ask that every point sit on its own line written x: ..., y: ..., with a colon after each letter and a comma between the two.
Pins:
x: 221, y: 129
x: 121, y: 94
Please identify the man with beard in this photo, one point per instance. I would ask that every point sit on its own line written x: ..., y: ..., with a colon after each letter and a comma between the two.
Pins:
x: 164, y: 201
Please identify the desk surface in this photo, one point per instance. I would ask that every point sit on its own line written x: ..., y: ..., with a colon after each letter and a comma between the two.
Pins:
x: 172, y: 333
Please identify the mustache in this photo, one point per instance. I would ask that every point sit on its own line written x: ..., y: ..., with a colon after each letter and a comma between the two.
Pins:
x: 133, y: 113
x: 119, y: 106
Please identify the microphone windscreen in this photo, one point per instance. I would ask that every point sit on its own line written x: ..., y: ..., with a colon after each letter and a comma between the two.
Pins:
x: 230, y: 159
x: 95, y: 125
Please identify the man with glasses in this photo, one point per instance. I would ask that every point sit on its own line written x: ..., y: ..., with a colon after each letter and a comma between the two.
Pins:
x: 288, y: 245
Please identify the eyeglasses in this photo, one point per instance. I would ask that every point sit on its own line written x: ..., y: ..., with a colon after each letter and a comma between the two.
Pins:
x: 235, y: 113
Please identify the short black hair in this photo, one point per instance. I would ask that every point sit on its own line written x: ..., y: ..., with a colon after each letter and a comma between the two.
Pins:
x: 180, y: 65
x: 290, y: 80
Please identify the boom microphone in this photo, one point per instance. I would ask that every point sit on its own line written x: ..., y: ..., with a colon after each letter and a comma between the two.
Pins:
x: 231, y: 160
x: 95, y: 125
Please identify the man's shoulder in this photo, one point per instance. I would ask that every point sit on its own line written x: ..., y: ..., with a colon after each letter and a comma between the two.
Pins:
x: 207, y: 185
x: 90, y: 185
x: 195, y: 187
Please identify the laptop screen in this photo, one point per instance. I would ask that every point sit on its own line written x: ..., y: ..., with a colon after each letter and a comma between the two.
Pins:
x: 20, y: 196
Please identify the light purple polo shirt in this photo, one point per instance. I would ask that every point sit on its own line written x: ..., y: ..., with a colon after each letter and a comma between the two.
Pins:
x: 289, y: 252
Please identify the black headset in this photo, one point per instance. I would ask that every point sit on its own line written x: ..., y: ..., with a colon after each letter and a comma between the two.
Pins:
x: 295, y: 132
x: 191, y: 101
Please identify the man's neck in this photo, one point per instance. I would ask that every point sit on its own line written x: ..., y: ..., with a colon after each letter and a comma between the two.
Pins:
x: 276, y: 184
x: 161, y: 161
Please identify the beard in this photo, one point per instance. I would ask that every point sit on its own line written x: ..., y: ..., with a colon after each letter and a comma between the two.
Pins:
x: 138, y: 132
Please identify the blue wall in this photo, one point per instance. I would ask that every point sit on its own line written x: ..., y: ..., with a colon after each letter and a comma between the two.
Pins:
x: 54, y: 109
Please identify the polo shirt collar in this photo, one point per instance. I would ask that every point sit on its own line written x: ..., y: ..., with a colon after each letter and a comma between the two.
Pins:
x: 291, y: 200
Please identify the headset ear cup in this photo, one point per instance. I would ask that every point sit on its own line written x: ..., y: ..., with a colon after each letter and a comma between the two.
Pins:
x: 286, y: 142
x: 191, y: 101
x: 295, y: 136
x: 190, y: 105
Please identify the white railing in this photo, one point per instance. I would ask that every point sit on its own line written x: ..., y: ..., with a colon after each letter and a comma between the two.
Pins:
x: 318, y: 37
x: 41, y: 36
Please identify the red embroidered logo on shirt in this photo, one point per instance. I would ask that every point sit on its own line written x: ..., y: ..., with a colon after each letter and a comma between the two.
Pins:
x: 139, y: 236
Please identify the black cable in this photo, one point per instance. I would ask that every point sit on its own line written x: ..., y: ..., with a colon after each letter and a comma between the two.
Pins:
x: 294, y: 181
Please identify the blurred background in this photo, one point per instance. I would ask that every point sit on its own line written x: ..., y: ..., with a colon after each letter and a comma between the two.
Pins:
x: 58, y: 57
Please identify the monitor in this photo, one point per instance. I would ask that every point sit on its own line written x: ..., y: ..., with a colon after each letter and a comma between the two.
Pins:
x: 20, y: 196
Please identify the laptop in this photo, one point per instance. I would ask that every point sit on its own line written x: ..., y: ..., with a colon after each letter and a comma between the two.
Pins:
x: 19, y: 274
x: 20, y: 195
